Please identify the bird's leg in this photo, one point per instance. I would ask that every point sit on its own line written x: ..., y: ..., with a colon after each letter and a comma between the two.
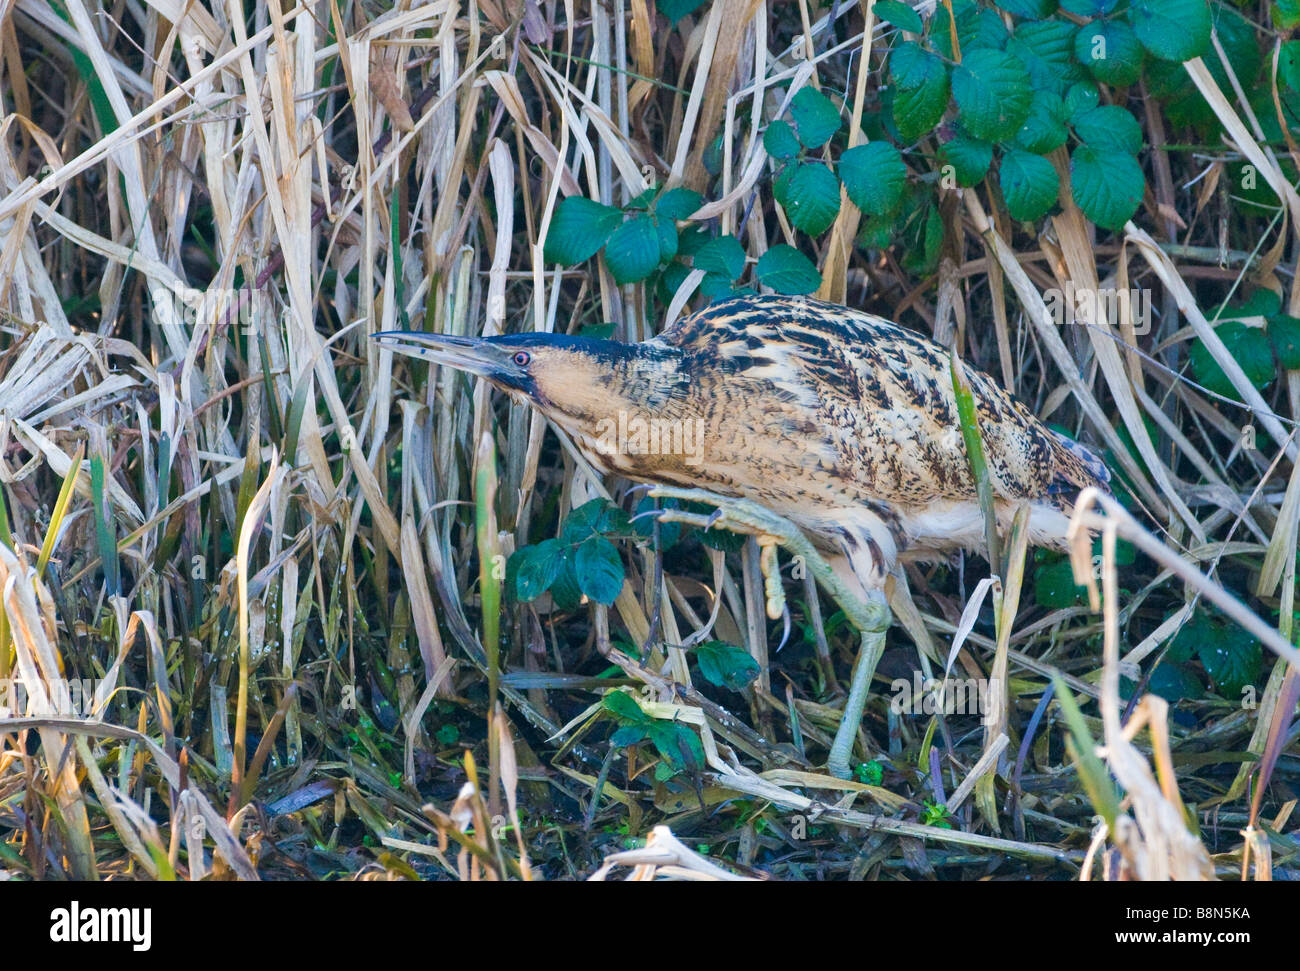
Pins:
x: 869, y: 653
x: 869, y: 614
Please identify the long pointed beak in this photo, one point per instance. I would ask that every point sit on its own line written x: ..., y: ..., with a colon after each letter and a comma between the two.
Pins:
x: 472, y: 354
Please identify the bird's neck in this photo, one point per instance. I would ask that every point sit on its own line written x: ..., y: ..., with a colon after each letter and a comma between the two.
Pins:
x: 636, y: 414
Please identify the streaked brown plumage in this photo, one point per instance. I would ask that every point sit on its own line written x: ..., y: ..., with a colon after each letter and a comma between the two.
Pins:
x: 840, y: 421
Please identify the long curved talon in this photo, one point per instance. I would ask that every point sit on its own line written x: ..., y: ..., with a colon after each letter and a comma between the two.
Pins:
x: 870, y: 616
x: 698, y: 520
x: 785, y: 630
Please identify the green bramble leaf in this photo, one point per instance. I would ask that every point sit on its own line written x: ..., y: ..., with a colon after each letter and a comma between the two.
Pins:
x: 1044, y: 129
x: 779, y: 140
x: 877, y: 232
x: 726, y: 665
x: 1262, y: 302
x: 1288, y: 64
x: 667, y: 232
x: 1249, y: 347
x: 1284, y: 334
x: 1089, y: 8
x: 1081, y: 97
x: 671, y: 279
x: 786, y: 270
x: 899, y: 14
x: 1029, y: 185
x: 679, y: 746
x: 594, y: 516
x: 1232, y: 657
x: 1048, y: 40
x: 920, y: 82
x: 976, y: 27
x: 992, y: 94
x: 579, y: 228
x: 634, y: 249
x: 1197, y: 628
x: 623, y: 706
x: 675, y: 10
x: 643, y: 199
x: 715, y: 285
x: 1054, y: 586
x: 537, y: 568
x: 922, y: 238
x: 1109, y: 127
x: 692, y: 238
x: 1111, y: 51
x: 599, y: 569
x: 984, y: 29
x: 816, y: 118
x: 631, y: 734
x: 970, y: 159
x: 564, y: 591
x: 1183, y: 104
x: 1173, y: 30
x: 874, y: 177
x: 810, y: 197
x: 1047, y: 50
x: 1175, y: 683
x: 723, y: 255
x: 678, y: 204
x: 1029, y: 9
x: 1107, y: 185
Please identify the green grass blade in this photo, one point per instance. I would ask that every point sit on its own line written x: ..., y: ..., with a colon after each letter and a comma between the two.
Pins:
x: 968, y: 416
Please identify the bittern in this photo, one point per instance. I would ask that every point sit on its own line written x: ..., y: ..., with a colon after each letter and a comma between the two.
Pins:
x: 797, y: 420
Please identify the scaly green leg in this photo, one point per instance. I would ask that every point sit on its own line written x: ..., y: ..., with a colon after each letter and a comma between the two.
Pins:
x: 871, y: 616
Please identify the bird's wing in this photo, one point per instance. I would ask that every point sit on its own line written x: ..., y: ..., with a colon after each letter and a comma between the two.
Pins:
x: 879, y: 401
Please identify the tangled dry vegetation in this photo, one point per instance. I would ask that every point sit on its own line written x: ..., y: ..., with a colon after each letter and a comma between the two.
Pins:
x: 278, y: 570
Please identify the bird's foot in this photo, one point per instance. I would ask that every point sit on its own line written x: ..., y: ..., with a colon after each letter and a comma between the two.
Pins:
x: 737, y: 515
x: 770, y: 530
x: 870, y: 615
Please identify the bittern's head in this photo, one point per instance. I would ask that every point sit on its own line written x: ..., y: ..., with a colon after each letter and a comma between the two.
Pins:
x: 577, y: 382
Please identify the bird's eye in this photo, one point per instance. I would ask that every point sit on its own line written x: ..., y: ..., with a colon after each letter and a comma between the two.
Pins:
x: 522, y: 358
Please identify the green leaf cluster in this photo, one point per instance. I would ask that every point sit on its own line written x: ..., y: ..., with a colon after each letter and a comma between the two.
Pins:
x: 1259, y: 350
x: 1230, y: 657
x: 676, y: 743
x: 1034, y: 96
x: 635, y: 242
x: 581, y: 561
